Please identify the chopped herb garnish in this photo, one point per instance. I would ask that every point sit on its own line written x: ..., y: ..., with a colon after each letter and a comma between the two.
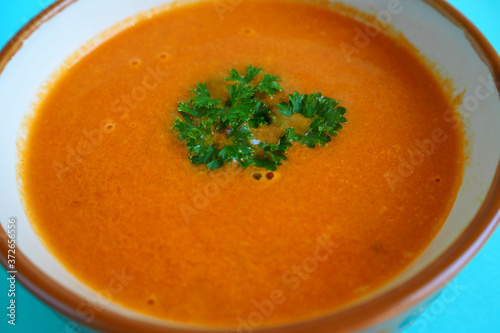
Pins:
x: 326, y: 112
x: 218, y: 132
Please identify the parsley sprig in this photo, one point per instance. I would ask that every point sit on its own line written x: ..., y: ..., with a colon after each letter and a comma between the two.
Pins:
x: 205, y: 119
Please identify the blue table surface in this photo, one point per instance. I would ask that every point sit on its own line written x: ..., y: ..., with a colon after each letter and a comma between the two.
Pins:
x: 476, y: 307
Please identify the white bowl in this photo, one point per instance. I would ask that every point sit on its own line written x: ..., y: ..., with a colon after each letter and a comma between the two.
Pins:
x: 441, y: 34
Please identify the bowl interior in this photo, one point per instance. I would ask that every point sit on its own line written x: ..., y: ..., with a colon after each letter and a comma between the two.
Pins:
x: 82, y: 22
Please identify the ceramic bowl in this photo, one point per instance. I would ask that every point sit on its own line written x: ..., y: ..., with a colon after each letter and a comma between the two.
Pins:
x: 443, y: 35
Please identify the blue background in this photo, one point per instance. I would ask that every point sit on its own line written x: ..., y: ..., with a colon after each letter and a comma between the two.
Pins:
x: 472, y: 305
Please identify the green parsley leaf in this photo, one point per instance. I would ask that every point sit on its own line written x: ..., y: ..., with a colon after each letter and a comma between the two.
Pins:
x: 269, y: 84
x: 327, y: 114
x: 202, y: 97
x: 244, y: 79
x: 203, y: 116
x: 261, y: 116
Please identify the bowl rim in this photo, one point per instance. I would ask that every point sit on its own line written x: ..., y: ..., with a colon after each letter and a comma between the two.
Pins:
x: 372, y: 312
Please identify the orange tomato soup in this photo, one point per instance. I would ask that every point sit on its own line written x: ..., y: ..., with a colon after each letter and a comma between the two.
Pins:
x: 110, y: 190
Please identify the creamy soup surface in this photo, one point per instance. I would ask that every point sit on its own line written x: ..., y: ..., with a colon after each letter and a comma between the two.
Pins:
x: 110, y: 190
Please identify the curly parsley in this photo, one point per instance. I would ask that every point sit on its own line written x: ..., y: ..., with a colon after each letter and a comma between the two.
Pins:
x: 205, y: 120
